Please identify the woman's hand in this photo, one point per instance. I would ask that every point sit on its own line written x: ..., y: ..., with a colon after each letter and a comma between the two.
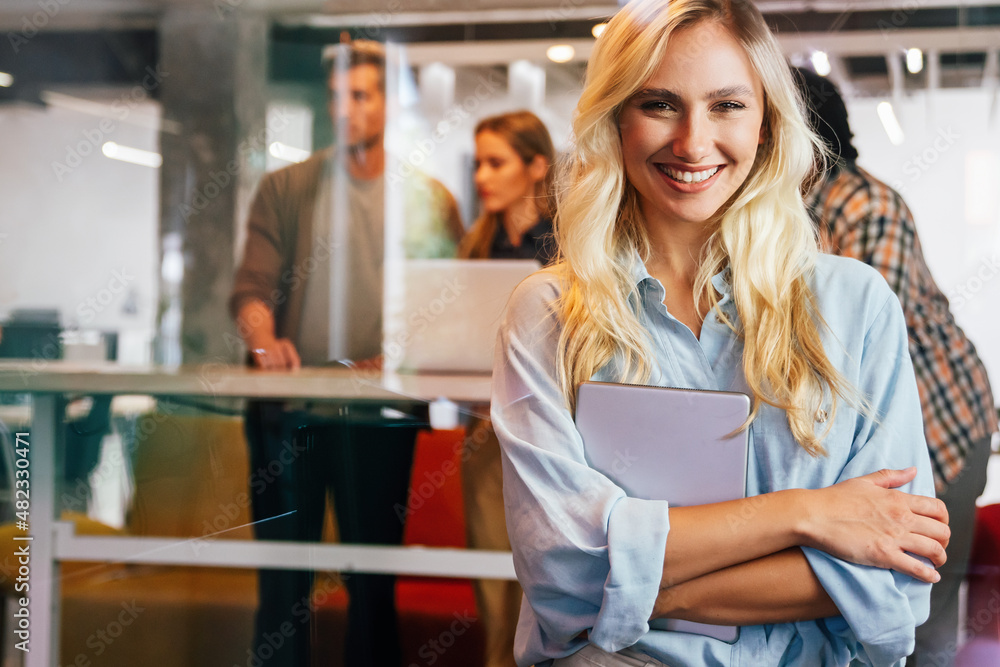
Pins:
x: 865, y: 521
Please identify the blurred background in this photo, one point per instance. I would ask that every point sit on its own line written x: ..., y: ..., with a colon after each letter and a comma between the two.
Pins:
x: 135, y: 132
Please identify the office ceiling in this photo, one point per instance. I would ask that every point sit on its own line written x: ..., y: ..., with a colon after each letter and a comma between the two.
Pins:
x: 110, y: 40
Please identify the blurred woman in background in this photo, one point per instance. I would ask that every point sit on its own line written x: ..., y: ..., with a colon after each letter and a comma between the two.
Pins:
x: 513, y: 178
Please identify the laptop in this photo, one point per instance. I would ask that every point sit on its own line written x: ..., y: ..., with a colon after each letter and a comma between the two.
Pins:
x: 660, y: 443
x: 447, y: 318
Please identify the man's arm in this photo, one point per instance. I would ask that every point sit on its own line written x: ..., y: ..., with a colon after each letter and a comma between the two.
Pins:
x: 256, y: 285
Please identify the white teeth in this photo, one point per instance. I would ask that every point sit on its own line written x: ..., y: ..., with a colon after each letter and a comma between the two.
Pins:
x: 689, y: 176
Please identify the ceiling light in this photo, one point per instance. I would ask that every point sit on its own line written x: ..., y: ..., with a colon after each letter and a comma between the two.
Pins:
x: 560, y: 53
x: 914, y: 60
x: 821, y: 63
x: 890, y: 123
x: 6, y: 80
x: 287, y: 153
x: 598, y: 29
x: 133, y: 155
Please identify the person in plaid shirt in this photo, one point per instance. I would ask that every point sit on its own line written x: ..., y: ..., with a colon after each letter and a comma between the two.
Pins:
x: 861, y: 217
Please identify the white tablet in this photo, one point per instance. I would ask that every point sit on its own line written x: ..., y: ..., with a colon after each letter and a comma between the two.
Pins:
x: 684, y: 446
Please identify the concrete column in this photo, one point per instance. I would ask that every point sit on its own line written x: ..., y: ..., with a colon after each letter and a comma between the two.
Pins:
x: 214, y: 65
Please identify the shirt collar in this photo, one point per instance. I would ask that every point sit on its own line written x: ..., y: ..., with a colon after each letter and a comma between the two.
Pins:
x: 720, y: 281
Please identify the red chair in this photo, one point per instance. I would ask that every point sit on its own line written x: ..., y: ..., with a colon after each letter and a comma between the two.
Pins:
x: 982, y: 622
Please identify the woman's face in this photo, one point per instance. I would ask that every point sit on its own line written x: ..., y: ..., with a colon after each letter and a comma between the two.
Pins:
x: 690, y: 135
x: 502, y: 177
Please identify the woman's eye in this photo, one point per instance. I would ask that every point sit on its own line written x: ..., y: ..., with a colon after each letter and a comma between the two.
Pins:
x: 730, y: 106
x: 656, y: 106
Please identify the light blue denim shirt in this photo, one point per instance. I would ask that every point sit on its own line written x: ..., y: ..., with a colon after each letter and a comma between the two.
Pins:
x: 590, y: 558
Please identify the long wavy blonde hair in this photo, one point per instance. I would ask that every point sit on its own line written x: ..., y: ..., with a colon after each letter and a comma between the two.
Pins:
x: 528, y: 136
x: 762, y: 233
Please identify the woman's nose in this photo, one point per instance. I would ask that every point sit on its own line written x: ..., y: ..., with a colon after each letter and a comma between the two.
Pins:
x: 693, y: 141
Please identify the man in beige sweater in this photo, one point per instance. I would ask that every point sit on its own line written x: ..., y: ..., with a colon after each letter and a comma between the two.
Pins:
x: 309, y: 292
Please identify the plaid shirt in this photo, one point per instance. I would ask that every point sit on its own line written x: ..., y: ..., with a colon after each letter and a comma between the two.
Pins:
x: 861, y: 217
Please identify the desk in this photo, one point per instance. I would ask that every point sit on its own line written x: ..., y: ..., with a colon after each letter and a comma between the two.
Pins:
x: 55, y: 541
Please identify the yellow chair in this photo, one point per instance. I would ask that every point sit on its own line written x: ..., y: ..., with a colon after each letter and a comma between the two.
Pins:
x: 190, y: 480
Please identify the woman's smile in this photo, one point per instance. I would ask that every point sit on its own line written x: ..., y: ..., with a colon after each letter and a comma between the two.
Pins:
x: 690, y: 179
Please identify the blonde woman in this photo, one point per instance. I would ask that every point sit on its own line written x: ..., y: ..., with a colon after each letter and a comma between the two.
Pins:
x: 688, y: 260
x: 514, y: 156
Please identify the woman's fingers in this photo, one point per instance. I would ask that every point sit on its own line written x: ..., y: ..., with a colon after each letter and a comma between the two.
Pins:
x: 889, y: 479
x: 929, y: 507
x: 931, y: 528
x: 907, y: 564
x: 929, y: 548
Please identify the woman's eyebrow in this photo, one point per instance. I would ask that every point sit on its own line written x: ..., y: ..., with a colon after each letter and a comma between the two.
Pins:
x: 737, y: 90
x: 659, y: 93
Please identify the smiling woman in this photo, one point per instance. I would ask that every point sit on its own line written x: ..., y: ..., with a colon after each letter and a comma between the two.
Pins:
x: 681, y: 132
x: 689, y: 138
x: 688, y: 260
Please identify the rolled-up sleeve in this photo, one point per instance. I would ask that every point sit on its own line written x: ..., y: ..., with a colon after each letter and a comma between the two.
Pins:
x: 588, y: 557
x: 882, y: 607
